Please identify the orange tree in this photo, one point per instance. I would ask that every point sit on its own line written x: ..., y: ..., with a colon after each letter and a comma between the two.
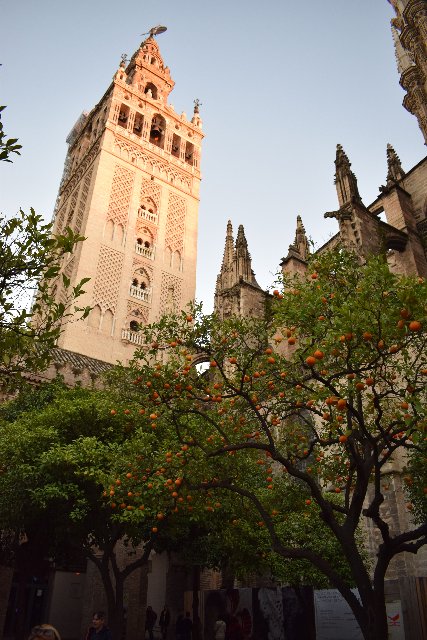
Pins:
x: 327, y: 392
x: 195, y: 514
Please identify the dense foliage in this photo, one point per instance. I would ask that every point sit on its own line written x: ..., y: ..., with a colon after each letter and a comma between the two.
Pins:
x: 30, y: 262
x: 83, y: 471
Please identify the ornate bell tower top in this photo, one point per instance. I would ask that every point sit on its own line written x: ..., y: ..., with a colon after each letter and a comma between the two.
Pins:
x: 146, y: 69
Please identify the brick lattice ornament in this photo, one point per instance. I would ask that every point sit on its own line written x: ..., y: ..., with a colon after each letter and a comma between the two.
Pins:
x: 82, y: 202
x: 121, y: 192
x: 175, y: 223
x: 107, y: 281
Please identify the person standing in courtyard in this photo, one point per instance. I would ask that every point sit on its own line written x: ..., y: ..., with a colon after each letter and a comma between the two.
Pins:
x: 179, y: 627
x: 98, y: 630
x: 150, y: 621
x: 220, y: 628
x: 165, y: 618
x: 187, y: 627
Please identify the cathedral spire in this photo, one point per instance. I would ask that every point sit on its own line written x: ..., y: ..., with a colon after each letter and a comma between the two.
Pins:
x: 242, y: 262
x: 299, y: 250
x: 345, y: 180
x: 227, y: 259
x: 395, y: 171
x: 237, y: 291
x: 225, y: 277
x: 301, y: 241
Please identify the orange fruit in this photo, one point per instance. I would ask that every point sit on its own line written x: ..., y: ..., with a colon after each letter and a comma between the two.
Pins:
x: 415, y: 325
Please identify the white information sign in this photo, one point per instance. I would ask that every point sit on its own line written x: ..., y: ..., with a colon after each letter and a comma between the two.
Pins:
x: 334, y: 618
x: 395, y: 620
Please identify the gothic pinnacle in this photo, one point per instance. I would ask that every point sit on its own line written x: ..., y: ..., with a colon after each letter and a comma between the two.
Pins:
x: 345, y: 179
x: 229, y: 247
x: 241, y: 241
x: 301, y: 243
x: 395, y: 171
x: 341, y: 158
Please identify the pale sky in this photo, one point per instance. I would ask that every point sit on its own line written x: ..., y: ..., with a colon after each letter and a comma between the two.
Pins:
x: 281, y: 83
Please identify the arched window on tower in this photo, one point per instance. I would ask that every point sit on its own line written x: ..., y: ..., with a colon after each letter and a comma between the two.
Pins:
x: 176, y: 145
x: 177, y: 262
x: 119, y: 234
x: 140, y: 285
x: 151, y: 90
x: 144, y: 243
x: 134, y: 325
x: 138, y: 124
x: 109, y: 230
x: 94, y: 319
x: 170, y: 300
x: 189, y: 152
x: 148, y: 211
x: 107, y: 323
x: 123, y: 116
x: 157, y: 131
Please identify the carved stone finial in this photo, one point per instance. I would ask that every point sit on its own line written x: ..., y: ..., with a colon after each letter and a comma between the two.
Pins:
x: 196, y: 119
x: 300, y: 248
x: 229, y: 247
x: 395, y: 171
x: 345, y: 180
x: 241, y: 241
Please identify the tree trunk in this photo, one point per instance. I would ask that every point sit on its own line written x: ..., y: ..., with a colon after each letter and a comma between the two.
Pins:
x: 374, y: 625
x: 21, y: 605
x: 227, y: 578
x: 6, y: 578
x: 114, y: 594
x: 196, y: 588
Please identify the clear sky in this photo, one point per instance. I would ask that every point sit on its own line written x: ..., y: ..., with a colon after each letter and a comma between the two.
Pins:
x: 281, y: 83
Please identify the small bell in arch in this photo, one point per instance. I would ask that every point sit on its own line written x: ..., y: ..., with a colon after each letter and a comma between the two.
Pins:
x: 156, y: 131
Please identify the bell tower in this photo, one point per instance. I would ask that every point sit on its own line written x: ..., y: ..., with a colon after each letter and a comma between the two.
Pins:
x: 131, y: 187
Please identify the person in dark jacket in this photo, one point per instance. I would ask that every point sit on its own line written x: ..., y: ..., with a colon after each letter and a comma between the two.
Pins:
x: 187, y: 627
x: 179, y: 627
x: 150, y: 621
x: 98, y: 629
x: 165, y: 618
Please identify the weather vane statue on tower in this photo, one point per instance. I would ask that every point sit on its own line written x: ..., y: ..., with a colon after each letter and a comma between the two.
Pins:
x: 155, y: 31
